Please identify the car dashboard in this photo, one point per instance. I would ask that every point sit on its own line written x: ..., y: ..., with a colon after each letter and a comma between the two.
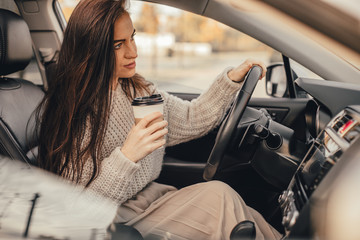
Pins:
x: 325, y: 152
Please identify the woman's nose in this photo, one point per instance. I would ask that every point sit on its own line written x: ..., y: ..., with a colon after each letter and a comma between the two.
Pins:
x: 131, y: 51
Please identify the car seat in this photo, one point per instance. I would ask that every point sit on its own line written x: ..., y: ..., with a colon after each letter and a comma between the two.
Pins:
x: 18, y: 97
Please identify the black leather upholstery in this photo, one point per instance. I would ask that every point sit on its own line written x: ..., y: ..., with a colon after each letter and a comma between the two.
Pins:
x: 15, y: 43
x: 18, y: 100
x: 18, y: 97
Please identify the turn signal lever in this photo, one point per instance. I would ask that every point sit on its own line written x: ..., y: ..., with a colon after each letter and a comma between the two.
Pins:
x: 272, y: 140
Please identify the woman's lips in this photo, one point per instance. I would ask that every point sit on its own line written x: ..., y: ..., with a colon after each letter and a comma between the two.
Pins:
x: 131, y: 65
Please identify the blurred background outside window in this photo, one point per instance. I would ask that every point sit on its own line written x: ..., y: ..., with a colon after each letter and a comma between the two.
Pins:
x: 183, y: 52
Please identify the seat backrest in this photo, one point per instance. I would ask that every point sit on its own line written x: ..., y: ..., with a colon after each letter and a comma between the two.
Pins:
x: 18, y: 97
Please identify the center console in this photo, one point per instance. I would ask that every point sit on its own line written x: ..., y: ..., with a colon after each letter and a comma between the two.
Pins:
x: 325, y: 151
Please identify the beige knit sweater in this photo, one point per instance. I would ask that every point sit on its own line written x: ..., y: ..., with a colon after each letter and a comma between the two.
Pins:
x: 120, y: 178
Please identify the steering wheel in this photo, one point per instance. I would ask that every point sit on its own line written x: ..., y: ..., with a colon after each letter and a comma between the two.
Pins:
x: 230, y: 123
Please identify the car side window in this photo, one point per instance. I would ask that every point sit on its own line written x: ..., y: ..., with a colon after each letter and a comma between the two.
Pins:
x: 183, y: 52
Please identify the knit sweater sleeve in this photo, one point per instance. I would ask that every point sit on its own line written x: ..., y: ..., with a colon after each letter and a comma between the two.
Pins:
x: 114, y: 177
x: 190, y: 120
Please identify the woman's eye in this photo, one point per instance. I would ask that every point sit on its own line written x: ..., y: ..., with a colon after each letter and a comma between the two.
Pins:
x: 117, y: 46
x: 133, y: 36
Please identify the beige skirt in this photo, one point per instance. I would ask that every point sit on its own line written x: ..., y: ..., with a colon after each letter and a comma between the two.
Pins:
x: 207, y: 210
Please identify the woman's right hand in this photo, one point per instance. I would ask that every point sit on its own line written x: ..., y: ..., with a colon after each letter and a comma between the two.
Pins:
x: 144, y: 137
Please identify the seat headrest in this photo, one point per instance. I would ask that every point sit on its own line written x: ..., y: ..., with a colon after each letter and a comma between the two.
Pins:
x: 15, y: 43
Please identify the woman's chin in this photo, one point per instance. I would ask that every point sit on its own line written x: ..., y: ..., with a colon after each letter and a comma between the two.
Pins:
x: 129, y: 74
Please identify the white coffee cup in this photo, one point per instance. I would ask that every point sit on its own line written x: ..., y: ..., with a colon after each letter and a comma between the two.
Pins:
x: 143, y: 106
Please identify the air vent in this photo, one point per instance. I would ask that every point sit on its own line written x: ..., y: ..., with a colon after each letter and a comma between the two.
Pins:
x: 353, y: 132
x: 347, y: 127
x: 341, y: 122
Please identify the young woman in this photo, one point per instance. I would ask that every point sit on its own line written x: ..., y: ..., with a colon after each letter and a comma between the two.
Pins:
x: 88, y: 133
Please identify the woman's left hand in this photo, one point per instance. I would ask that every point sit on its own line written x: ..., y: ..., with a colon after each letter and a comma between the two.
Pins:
x: 238, y: 74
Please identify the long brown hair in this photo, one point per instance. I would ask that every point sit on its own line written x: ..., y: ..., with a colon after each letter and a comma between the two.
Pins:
x: 80, y: 93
